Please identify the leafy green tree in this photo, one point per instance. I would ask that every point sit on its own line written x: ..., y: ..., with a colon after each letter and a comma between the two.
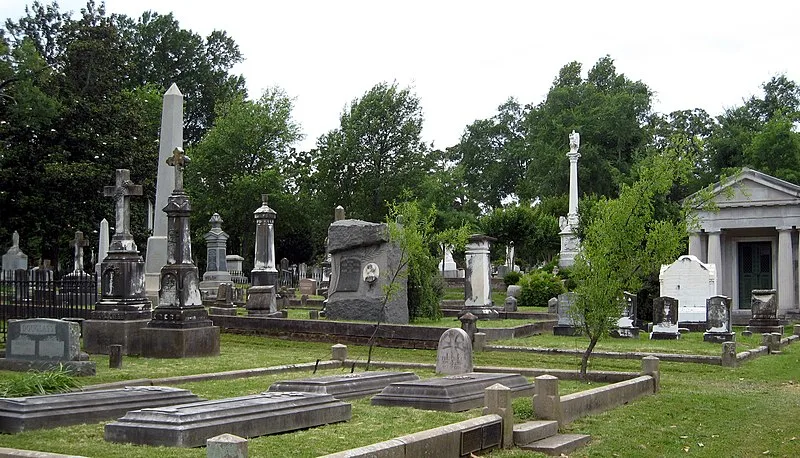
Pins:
x: 624, y: 242
x: 241, y: 158
x: 375, y: 156
x: 534, y: 233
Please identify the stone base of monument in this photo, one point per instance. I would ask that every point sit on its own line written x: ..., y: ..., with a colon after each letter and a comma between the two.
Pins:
x: 228, y: 311
x: 566, y: 330
x: 180, y: 343
x: 719, y: 337
x: 657, y: 335
x: 349, y: 386
x: 453, y: 393
x: 482, y: 313
x: 77, y: 368
x: 54, y: 410
x: 189, y: 425
x: 764, y: 326
x: 99, y: 334
x: 625, y: 333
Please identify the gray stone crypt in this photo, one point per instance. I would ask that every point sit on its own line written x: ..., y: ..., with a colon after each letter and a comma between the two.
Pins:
x: 752, y: 238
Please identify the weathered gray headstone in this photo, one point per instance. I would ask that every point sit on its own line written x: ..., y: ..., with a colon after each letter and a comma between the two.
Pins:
x: 308, y: 286
x: 566, y: 323
x: 226, y: 446
x: 764, y: 306
x: 454, y: 354
x: 190, y: 425
x: 718, y: 320
x: 361, y: 254
x: 510, y: 304
x: 665, y: 318
x: 216, y: 258
x: 552, y: 305
x: 54, y: 410
x: 102, y: 247
x: 265, y: 272
x: 43, y: 339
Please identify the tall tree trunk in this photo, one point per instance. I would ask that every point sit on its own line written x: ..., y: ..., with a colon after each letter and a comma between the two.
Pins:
x: 586, y: 354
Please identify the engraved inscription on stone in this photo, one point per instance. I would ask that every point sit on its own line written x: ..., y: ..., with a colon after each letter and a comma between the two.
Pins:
x: 39, y: 329
x: 169, y: 290
x: 51, y: 348
x: 454, y: 355
x: 24, y: 346
x: 349, y: 275
x: 212, y: 260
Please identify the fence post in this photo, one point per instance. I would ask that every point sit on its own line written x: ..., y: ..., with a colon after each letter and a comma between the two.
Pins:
x: 226, y: 446
x: 546, y: 400
x: 650, y: 367
x: 497, y: 400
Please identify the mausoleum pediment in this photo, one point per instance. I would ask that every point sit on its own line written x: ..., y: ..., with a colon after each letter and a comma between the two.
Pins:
x: 753, y: 188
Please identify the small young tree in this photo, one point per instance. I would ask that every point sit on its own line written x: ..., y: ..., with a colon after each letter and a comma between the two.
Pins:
x: 624, y: 242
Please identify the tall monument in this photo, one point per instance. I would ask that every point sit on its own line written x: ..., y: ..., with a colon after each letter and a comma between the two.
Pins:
x: 180, y: 326
x: 570, y: 244
x: 171, y: 137
x: 123, y: 308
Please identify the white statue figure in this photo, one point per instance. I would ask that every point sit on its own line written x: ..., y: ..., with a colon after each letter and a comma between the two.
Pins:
x: 574, y: 142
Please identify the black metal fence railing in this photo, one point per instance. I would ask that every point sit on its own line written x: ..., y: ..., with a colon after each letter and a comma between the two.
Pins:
x: 27, y: 295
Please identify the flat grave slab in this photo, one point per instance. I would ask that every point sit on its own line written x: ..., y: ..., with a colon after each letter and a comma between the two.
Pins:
x: 189, y: 425
x: 53, y: 410
x: 453, y: 393
x: 347, y: 386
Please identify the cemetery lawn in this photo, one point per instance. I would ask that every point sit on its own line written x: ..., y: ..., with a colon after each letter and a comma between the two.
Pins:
x: 444, y: 322
x: 711, y: 410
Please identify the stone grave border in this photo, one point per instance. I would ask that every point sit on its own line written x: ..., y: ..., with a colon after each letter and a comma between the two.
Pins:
x: 389, y: 335
x: 771, y: 343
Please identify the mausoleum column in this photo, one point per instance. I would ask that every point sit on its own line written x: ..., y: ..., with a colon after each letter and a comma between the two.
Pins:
x: 715, y: 252
x: 785, y: 270
x: 695, y: 247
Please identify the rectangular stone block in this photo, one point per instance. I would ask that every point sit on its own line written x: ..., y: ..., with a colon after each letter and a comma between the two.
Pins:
x: 180, y: 343
x: 43, y: 339
x: 50, y: 411
x: 454, y: 393
x: 190, y: 425
x: 348, y: 386
x: 99, y: 334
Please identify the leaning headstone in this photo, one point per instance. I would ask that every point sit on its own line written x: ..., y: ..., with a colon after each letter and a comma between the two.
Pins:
x: 718, y: 320
x: 345, y: 387
x: 43, y: 344
x: 453, y: 393
x: 665, y: 319
x: 123, y: 309
x: 216, y: 258
x: 14, y: 259
x: 190, y: 425
x: 79, y: 407
x: 690, y: 282
x: 567, y: 326
x: 478, y: 284
x: 454, y: 354
x: 362, y: 256
x: 180, y: 326
x: 552, y: 305
x: 764, y: 307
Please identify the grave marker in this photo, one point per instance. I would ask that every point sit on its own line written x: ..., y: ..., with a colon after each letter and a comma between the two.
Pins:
x: 454, y: 353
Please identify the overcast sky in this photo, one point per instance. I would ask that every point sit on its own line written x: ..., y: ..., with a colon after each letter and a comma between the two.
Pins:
x: 464, y: 58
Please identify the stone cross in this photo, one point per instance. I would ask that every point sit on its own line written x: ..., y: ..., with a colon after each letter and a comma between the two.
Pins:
x: 122, y: 193
x: 78, y: 244
x: 179, y: 160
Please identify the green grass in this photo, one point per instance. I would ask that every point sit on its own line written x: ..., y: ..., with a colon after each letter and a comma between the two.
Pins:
x: 444, y: 322
x: 738, y: 412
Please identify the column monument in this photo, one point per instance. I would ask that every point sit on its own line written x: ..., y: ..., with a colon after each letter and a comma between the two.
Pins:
x: 171, y: 137
x: 180, y: 326
x: 570, y: 244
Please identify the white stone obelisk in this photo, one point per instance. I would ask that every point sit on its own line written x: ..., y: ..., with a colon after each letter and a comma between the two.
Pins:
x: 171, y: 137
x: 102, y: 246
x: 570, y: 244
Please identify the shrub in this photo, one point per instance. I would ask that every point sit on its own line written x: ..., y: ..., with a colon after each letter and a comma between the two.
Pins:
x: 538, y: 287
x: 39, y: 383
x: 511, y: 278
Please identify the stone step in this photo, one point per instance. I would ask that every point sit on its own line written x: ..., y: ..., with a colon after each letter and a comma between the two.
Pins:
x: 558, y: 444
x: 532, y: 431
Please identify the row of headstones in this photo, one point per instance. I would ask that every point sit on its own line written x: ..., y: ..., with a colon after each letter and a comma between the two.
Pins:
x: 665, y: 316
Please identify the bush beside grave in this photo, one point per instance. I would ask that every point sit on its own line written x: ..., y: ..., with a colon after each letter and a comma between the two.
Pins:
x: 538, y: 287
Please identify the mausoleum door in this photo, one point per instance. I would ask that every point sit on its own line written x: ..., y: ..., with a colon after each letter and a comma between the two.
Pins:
x: 755, y: 269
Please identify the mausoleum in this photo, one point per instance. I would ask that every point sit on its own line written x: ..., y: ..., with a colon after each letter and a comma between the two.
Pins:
x: 752, y: 239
